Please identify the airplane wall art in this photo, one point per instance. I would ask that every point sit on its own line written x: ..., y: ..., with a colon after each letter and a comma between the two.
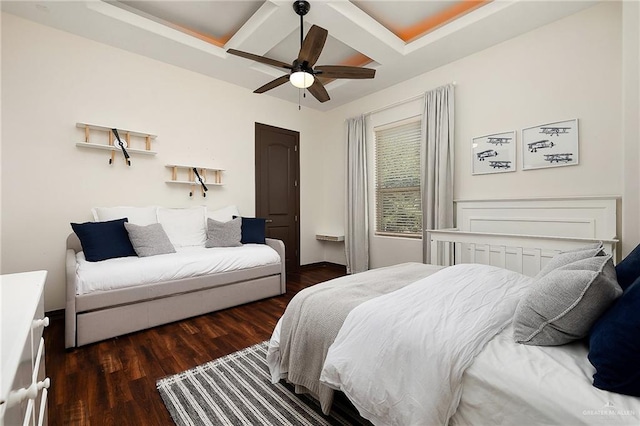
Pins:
x: 495, y: 153
x: 550, y: 145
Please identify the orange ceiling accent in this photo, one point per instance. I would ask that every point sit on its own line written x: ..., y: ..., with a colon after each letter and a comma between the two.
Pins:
x: 217, y: 41
x: 357, y: 60
x: 432, y: 22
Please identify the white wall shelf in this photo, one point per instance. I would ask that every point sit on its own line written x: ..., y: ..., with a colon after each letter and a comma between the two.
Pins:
x: 194, y: 175
x: 114, y: 148
x: 101, y: 137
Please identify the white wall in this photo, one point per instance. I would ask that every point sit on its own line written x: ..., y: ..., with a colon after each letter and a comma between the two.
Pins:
x: 52, y: 79
x: 567, y: 69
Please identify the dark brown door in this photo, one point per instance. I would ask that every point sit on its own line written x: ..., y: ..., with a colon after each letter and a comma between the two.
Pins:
x: 277, y: 190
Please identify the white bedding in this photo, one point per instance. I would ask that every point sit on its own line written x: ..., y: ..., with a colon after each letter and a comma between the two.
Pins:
x: 185, y: 263
x: 400, y: 357
x: 513, y: 384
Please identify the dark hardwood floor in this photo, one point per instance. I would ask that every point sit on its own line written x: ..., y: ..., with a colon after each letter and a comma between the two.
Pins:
x: 114, y: 382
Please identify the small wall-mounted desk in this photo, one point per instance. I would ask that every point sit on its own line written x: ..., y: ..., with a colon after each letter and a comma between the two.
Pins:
x: 330, y: 237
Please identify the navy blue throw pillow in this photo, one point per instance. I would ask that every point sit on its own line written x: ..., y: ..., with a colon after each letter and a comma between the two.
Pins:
x: 614, y: 346
x: 253, y: 230
x: 104, y: 240
x: 629, y: 269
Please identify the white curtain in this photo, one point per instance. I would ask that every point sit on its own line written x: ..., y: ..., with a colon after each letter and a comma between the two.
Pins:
x: 437, y: 162
x: 356, y: 239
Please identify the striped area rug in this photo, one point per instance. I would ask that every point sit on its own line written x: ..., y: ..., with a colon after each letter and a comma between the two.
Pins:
x: 237, y: 390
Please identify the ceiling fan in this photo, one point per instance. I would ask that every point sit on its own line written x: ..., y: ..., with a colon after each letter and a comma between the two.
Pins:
x: 302, y: 73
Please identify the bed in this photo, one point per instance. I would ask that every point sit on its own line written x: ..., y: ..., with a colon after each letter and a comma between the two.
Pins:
x: 401, y: 344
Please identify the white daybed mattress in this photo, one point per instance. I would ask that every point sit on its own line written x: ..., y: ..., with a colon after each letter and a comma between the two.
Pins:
x: 509, y: 383
x: 193, y: 261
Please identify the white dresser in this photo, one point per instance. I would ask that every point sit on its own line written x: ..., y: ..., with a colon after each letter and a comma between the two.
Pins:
x: 23, y: 400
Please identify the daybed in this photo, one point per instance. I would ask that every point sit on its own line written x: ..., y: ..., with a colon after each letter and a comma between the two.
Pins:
x: 110, y: 298
x: 472, y: 343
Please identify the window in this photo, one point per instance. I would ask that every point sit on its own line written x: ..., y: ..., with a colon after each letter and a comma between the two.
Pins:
x: 397, y: 158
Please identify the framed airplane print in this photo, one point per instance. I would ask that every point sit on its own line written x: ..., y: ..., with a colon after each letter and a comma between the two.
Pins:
x: 494, y: 153
x: 550, y: 145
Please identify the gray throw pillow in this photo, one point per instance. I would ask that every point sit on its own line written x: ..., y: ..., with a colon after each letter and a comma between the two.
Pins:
x: 224, y: 234
x: 570, y: 256
x: 563, y: 305
x: 149, y: 240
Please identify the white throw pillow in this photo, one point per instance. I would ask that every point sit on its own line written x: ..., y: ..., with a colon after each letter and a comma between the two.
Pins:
x: 185, y: 227
x: 142, y: 216
x: 224, y: 214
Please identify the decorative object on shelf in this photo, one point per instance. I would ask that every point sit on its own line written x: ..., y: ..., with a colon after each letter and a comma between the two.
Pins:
x: 123, y: 146
x: 103, y: 138
x: 550, y: 145
x: 494, y: 153
x: 195, y: 176
x: 199, y: 179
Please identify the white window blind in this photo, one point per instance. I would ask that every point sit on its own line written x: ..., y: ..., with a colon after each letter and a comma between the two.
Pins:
x: 398, y: 201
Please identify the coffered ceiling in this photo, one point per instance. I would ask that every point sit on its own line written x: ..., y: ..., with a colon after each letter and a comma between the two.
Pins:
x: 400, y: 39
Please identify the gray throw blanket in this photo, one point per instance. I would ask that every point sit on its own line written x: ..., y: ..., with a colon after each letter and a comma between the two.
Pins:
x: 314, y: 316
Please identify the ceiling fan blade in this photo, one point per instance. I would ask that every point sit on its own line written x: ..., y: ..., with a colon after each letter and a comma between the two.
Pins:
x: 272, y: 84
x: 261, y: 59
x: 318, y: 91
x: 312, y: 45
x: 339, y: 71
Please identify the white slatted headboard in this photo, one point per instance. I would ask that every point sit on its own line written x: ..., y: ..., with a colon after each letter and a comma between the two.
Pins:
x: 523, y: 234
x: 585, y: 217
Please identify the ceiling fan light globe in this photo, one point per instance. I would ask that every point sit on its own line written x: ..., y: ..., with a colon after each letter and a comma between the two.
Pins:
x: 301, y: 79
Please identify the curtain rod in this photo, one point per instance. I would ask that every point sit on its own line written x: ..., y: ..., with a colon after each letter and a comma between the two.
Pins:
x: 400, y: 102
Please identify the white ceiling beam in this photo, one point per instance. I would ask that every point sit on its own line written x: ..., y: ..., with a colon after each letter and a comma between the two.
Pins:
x: 271, y: 23
x: 353, y: 27
x: 124, y: 14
